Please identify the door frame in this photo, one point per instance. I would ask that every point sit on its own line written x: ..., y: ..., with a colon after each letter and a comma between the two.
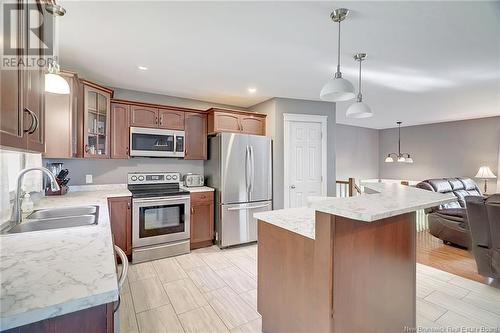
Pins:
x: 288, y: 118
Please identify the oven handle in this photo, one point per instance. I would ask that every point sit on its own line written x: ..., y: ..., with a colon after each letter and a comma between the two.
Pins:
x: 139, y: 200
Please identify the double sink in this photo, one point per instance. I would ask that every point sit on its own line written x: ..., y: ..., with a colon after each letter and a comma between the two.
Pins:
x: 57, y: 218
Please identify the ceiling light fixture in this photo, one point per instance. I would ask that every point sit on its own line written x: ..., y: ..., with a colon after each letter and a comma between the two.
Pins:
x: 359, y: 109
x: 142, y: 68
x: 55, y: 83
x: 338, y: 89
x: 252, y: 90
x: 400, y: 157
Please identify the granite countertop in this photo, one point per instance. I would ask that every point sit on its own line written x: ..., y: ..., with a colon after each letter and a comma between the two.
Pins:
x: 198, y: 189
x: 49, y: 273
x: 380, y: 200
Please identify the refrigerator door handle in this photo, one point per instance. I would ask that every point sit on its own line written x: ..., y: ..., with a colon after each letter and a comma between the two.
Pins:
x: 252, y: 169
x: 247, y: 169
x: 250, y: 207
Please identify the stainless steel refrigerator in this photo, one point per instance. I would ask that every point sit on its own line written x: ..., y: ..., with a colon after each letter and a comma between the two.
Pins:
x: 239, y: 167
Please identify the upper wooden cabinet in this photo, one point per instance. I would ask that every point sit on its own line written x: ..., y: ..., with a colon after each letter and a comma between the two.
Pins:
x: 61, y: 120
x: 196, y: 136
x: 95, y: 117
x: 171, y: 119
x: 120, y: 135
x: 22, y: 89
x: 143, y: 116
x: 221, y: 120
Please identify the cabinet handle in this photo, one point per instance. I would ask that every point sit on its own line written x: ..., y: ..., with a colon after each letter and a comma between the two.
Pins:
x: 34, y: 122
x: 86, y: 148
x: 156, y: 120
x: 192, y: 210
x: 128, y: 205
x: 161, y: 120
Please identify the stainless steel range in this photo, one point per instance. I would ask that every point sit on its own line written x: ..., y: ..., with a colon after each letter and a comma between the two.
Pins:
x: 160, y: 216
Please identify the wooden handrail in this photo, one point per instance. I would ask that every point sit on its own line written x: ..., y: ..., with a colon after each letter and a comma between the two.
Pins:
x: 352, y: 188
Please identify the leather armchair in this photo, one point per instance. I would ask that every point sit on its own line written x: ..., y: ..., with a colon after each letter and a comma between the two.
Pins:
x: 449, y: 221
x: 484, y: 222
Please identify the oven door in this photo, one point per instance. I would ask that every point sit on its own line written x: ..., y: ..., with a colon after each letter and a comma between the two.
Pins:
x: 155, y: 142
x: 160, y: 220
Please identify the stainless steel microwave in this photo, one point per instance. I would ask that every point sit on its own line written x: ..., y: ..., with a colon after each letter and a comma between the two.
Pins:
x: 156, y: 142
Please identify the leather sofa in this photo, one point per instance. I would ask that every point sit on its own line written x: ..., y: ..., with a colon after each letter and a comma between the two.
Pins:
x: 449, y: 221
x: 484, y: 221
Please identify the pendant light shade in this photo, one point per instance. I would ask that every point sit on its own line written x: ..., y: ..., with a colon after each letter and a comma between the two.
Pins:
x: 359, y: 109
x: 55, y: 83
x: 338, y: 89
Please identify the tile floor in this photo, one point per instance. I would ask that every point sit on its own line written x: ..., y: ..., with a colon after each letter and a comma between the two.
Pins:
x: 212, y: 290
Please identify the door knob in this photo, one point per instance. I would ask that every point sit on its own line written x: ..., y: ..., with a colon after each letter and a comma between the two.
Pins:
x: 292, y: 187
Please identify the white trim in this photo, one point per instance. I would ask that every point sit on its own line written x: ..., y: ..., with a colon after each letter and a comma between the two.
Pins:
x: 287, y: 119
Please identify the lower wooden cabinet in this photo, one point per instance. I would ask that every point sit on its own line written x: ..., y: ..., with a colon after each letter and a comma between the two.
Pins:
x: 120, y: 215
x: 202, y: 219
x: 97, y: 319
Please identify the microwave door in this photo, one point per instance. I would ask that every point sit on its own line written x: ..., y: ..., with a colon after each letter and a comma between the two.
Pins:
x: 151, y: 142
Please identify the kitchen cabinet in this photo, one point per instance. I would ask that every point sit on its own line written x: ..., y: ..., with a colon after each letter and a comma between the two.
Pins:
x: 22, y: 106
x: 221, y: 120
x: 120, y: 135
x: 95, y: 117
x: 143, y: 116
x: 120, y: 216
x: 171, y: 119
x: 202, y: 219
x: 196, y: 136
x: 97, y: 319
x: 61, y: 124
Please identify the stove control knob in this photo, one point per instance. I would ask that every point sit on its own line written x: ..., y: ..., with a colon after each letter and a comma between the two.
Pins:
x: 174, y: 177
x: 141, y: 178
x: 168, y: 177
x: 133, y: 178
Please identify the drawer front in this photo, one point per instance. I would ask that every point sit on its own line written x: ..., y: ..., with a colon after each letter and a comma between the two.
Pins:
x: 202, y: 196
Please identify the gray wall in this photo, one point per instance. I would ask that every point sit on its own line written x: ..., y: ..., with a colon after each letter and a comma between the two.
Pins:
x: 356, y: 152
x: 275, y: 109
x: 115, y: 171
x: 450, y: 149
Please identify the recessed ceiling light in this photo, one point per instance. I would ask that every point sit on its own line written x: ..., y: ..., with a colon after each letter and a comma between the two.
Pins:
x: 142, y: 68
x: 252, y: 90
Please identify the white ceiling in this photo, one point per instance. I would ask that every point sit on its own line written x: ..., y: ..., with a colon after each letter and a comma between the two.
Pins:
x: 427, y: 61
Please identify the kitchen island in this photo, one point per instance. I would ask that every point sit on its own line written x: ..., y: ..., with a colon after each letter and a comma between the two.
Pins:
x: 342, y: 264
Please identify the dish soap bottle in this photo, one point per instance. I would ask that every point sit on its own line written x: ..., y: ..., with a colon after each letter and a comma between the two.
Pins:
x: 27, y: 204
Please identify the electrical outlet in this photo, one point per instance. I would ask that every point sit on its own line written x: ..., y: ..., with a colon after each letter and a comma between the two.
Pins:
x: 88, y: 179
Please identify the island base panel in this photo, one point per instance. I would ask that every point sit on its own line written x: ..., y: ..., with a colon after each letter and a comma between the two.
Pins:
x: 353, y: 277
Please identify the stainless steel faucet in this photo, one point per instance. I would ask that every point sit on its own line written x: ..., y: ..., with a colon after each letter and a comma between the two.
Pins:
x: 15, y: 218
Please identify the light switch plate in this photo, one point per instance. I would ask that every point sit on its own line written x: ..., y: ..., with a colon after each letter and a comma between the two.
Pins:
x: 88, y: 179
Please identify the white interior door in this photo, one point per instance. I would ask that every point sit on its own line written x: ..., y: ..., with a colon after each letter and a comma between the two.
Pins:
x: 305, y: 161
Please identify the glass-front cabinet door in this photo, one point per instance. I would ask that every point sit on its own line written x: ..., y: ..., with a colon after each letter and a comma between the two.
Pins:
x: 96, y: 123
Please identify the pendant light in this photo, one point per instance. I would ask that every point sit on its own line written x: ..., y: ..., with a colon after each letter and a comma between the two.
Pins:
x: 338, y: 89
x: 55, y: 83
x: 400, y: 157
x: 359, y: 109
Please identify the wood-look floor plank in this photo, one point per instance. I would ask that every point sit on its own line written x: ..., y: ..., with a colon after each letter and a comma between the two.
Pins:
x: 255, y: 326
x: 206, y: 279
x: 128, y: 322
x: 159, y: 320
x: 235, y: 278
x: 215, y: 260
x: 465, y: 309
x: 250, y: 297
x: 201, y: 320
x: 190, y: 260
x: 168, y: 270
x: 231, y: 308
x: 140, y: 271
x: 148, y: 294
x: 184, y: 295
